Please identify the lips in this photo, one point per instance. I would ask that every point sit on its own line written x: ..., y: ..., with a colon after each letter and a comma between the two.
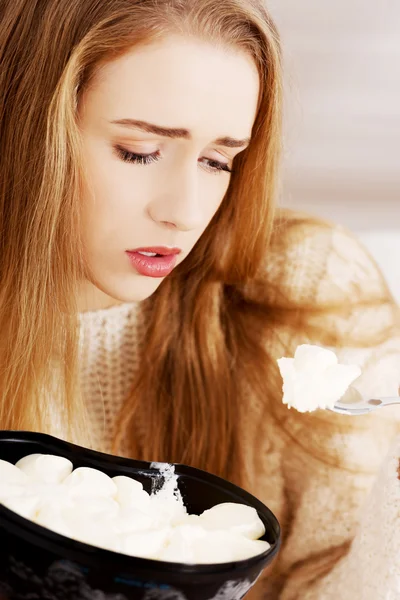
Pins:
x: 157, y: 261
x: 161, y: 250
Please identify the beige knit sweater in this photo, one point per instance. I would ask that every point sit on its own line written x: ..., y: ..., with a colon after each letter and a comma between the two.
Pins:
x: 341, y: 526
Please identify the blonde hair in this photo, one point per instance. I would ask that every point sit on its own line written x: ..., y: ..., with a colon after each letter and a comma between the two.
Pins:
x: 207, y: 323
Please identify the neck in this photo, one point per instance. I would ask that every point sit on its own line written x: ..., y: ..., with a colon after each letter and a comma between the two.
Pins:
x: 91, y: 298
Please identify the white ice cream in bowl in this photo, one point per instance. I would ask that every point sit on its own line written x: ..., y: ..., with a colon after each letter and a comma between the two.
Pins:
x: 118, y: 514
x: 129, y: 523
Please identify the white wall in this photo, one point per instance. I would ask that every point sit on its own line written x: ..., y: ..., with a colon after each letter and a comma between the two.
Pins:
x: 342, y: 131
x: 384, y: 245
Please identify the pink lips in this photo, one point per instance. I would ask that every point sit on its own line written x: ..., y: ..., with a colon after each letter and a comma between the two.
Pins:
x: 154, y: 266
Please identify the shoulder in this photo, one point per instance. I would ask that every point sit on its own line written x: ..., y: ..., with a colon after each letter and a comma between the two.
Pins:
x: 332, y: 293
x: 313, y: 261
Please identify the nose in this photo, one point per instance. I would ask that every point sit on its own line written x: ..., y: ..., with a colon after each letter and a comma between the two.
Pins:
x: 176, y: 203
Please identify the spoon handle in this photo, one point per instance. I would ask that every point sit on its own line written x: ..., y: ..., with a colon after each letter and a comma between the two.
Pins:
x: 364, y: 406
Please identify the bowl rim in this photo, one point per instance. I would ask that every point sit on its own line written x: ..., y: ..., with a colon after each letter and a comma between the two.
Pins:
x: 123, y: 561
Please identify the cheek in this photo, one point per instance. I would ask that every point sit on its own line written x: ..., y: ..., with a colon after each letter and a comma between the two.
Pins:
x: 105, y: 189
x: 111, y: 202
x: 214, y: 192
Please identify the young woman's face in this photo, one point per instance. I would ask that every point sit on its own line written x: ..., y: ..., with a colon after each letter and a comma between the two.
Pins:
x: 161, y: 127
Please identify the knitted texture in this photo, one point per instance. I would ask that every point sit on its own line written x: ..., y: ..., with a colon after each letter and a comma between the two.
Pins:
x: 109, y: 358
x: 341, y: 525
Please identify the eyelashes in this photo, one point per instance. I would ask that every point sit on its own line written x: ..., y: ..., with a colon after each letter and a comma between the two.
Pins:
x: 137, y: 159
x: 215, y: 166
x: 212, y: 166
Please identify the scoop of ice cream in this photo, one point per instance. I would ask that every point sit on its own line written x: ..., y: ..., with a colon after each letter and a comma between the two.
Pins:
x: 86, y: 519
x: 145, y: 544
x: 86, y: 481
x: 24, y: 505
x: 131, y: 519
x: 22, y: 498
x: 181, y: 543
x: 102, y: 508
x: 47, y: 494
x: 224, y: 546
x: 9, y: 473
x: 193, y: 520
x: 131, y: 493
x: 28, y: 498
x: 92, y: 531
x: 197, y: 545
x: 52, y: 517
x: 45, y: 467
x: 314, y: 378
x: 64, y: 513
x: 10, y: 490
x: 242, y: 548
x: 236, y: 518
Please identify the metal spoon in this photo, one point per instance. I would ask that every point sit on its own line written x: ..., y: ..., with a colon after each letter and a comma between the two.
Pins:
x: 353, y: 403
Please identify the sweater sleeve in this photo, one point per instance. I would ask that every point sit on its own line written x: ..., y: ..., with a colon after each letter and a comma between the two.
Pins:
x: 370, y: 566
x: 342, y: 474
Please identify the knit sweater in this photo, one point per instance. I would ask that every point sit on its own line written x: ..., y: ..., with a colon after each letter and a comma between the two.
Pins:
x: 341, y: 525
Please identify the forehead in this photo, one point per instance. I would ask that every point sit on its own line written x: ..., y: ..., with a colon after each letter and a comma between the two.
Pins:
x: 180, y: 82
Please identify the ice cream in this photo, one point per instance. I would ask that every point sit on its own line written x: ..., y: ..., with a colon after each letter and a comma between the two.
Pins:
x: 45, y: 467
x: 117, y: 514
x: 10, y: 473
x: 190, y: 543
x: 235, y: 518
x: 86, y: 481
x: 130, y: 492
x: 314, y: 378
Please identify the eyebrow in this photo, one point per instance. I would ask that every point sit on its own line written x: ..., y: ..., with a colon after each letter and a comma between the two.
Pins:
x: 184, y: 134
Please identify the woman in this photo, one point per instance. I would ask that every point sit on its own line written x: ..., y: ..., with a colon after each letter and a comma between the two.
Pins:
x: 148, y: 287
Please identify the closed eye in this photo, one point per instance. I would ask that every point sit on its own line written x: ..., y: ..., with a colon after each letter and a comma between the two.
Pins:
x: 215, y: 166
x: 212, y: 166
x: 137, y: 159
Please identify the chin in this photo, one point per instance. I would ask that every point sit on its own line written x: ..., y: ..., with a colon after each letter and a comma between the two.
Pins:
x: 136, y: 291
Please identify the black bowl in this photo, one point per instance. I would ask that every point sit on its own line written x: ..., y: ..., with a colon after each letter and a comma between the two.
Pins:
x: 36, y: 563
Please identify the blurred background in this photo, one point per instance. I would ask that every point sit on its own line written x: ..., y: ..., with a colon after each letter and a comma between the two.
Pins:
x: 342, y: 121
